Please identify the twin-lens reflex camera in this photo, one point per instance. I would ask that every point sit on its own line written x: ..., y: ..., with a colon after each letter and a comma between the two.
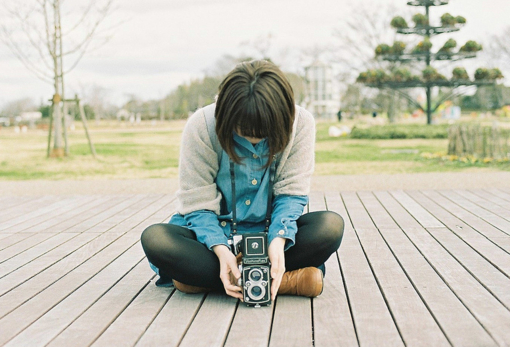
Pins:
x: 255, y: 268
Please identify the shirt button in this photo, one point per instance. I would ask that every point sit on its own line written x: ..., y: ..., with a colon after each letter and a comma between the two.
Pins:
x: 223, y: 223
x: 254, y: 182
x: 255, y: 156
x: 247, y: 202
x: 281, y: 232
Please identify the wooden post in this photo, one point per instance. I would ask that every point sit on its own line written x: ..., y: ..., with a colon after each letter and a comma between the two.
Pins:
x: 49, y: 131
x: 84, y: 120
x: 57, y: 151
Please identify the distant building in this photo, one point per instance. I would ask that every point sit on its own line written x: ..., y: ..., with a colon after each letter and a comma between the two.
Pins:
x: 321, y: 97
x: 30, y: 116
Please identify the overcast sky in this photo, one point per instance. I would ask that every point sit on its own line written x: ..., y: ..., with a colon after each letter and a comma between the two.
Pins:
x: 162, y: 43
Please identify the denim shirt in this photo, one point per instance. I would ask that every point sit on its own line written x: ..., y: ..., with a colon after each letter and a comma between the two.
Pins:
x: 251, y: 180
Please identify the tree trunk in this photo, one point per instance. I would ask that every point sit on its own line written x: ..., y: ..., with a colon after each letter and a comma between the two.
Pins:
x: 58, y: 148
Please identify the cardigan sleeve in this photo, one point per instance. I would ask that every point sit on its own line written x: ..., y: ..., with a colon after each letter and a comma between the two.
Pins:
x: 297, y: 162
x: 198, y: 168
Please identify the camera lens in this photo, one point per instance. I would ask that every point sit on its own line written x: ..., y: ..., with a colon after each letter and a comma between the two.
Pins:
x: 255, y: 275
x: 256, y: 291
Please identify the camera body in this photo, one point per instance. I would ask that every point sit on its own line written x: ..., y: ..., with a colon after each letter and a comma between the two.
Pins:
x: 255, y: 270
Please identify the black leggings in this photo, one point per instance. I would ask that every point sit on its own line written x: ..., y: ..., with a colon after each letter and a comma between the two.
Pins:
x: 178, y: 255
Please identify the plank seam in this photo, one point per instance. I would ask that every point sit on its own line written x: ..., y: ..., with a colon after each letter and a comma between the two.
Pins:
x: 438, y: 273
x: 407, y: 274
x: 375, y: 277
x: 462, y: 240
x: 342, y: 275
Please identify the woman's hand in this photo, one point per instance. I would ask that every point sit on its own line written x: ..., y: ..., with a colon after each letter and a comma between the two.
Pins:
x: 277, y: 259
x: 229, y: 272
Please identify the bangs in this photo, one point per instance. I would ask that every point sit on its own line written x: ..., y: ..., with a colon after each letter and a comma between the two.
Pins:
x: 255, y: 100
x: 254, y: 121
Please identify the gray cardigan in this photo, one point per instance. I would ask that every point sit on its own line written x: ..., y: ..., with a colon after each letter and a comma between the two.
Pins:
x: 198, y: 163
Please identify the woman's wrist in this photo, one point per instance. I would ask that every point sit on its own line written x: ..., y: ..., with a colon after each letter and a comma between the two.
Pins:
x: 278, y: 242
x: 220, y: 250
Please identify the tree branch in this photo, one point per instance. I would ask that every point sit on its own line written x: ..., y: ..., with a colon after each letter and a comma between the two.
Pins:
x: 452, y: 94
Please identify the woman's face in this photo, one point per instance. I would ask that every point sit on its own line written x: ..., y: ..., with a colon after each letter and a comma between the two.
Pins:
x: 253, y: 140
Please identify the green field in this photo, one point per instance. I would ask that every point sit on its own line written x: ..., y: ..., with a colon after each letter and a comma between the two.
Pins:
x: 152, y: 151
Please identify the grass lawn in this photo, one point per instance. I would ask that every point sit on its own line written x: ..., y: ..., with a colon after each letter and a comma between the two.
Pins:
x: 152, y: 151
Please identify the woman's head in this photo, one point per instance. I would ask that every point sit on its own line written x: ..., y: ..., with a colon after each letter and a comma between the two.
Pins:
x: 255, y: 100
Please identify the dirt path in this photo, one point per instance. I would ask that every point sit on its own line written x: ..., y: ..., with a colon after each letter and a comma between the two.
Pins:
x: 338, y: 183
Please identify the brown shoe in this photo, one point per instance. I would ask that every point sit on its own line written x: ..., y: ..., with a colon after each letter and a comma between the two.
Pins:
x: 186, y: 288
x: 307, y: 282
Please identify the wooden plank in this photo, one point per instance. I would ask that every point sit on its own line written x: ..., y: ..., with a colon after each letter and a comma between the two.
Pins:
x: 35, y: 252
x: 138, y: 316
x: 47, y: 327
x: 29, y: 205
x: 11, y: 202
x: 20, y: 318
x: 332, y: 320
x: 487, y: 230
x: 499, y: 193
x: 485, y: 203
x: 488, y: 275
x: 37, y: 215
x: 458, y: 324
x: 47, y: 220
x: 486, y: 215
x: 488, y: 311
x: 372, y: 318
x: 105, y: 210
x: 53, y: 273
x: 73, y: 214
x: 290, y: 326
x: 129, y: 220
x: 40, y: 264
x: 299, y: 331
x: 487, y: 194
x: 119, y: 210
x: 251, y: 326
x: 171, y: 323
x: 414, y: 321
x: 212, y: 323
x: 89, y: 326
x: 22, y: 246
x: 8, y: 240
x: 23, y: 316
x: 14, y: 293
x: 491, y: 252
x: 505, y: 192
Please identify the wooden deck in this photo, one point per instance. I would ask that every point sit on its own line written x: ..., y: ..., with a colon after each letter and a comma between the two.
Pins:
x: 416, y: 268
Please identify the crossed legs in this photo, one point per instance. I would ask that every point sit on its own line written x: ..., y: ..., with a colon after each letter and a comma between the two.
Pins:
x: 178, y: 255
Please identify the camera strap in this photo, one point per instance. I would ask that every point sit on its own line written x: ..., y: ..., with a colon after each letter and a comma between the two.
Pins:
x: 269, y: 209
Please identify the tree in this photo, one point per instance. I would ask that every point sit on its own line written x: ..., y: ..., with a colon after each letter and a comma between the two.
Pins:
x: 16, y: 107
x: 356, y: 37
x: 499, y: 48
x: 43, y: 41
x: 403, y: 78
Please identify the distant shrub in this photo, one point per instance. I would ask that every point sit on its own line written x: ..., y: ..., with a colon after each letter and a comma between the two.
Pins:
x: 401, y: 131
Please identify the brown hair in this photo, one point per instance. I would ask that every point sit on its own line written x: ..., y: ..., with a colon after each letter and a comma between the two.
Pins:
x: 255, y: 99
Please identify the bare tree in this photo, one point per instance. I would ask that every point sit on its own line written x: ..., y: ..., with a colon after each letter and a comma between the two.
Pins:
x: 36, y: 35
x: 498, y: 48
x: 356, y: 37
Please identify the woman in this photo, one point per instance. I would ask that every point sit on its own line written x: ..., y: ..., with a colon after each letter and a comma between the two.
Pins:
x: 253, y: 149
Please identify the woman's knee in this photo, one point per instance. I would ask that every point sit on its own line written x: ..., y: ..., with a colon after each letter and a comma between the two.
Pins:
x: 152, y: 236
x: 332, y: 228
